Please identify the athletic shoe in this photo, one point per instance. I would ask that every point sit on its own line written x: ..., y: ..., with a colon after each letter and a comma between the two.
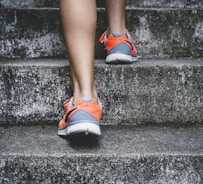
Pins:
x: 81, y: 117
x: 120, y: 49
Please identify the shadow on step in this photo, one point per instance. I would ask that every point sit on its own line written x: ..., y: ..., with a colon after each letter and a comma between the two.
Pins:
x: 82, y: 141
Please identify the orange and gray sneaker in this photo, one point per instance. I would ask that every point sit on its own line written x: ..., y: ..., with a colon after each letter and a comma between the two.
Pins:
x: 120, y: 49
x: 81, y: 117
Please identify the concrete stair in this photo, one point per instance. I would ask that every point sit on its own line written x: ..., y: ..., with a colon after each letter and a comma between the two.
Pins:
x: 122, y: 155
x: 31, y: 30
x: 152, y: 123
x: 147, y: 92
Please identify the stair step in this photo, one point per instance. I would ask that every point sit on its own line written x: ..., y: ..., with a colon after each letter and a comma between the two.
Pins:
x: 123, y: 154
x: 157, y: 33
x: 101, y: 3
x: 146, y: 92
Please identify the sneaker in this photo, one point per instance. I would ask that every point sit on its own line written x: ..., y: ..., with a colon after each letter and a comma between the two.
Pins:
x: 82, y: 117
x: 120, y: 49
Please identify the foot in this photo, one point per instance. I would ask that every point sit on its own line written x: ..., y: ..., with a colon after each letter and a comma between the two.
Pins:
x: 81, y: 117
x: 120, y: 49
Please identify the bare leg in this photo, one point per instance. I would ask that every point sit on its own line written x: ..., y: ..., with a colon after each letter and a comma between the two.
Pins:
x: 116, y: 16
x: 79, y: 24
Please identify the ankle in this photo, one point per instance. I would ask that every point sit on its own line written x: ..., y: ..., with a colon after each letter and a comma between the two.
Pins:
x: 116, y: 32
x: 86, y: 96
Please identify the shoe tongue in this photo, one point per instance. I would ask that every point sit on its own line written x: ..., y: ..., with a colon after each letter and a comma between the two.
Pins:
x: 87, y: 99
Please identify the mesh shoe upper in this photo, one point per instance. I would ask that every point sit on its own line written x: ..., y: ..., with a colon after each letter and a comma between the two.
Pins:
x: 81, y: 111
x: 118, y: 44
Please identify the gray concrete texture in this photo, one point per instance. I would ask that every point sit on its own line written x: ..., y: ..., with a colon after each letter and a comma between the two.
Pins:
x: 101, y: 3
x: 147, y: 92
x: 130, y: 155
x: 157, y: 33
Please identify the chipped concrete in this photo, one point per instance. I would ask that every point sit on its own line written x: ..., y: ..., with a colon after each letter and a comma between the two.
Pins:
x: 199, y: 30
x: 39, y: 45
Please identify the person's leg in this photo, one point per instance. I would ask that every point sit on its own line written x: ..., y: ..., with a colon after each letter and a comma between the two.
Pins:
x: 79, y: 25
x: 116, y: 16
x: 117, y: 40
x: 83, y: 111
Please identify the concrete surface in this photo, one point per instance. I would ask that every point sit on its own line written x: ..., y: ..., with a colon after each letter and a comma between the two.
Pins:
x: 101, y: 3
x: 147, y: 92
x: 123, y: 154
x: 157, y: 33
x: 150, y: 92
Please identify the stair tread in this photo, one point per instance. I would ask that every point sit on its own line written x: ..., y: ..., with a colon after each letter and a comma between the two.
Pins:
x: 121, y: 141
x: 101, y: 3
x: 51, y: 62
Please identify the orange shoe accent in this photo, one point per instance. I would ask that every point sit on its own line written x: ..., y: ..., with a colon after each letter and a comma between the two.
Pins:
x: 112, y: 41
x: 91, y: 107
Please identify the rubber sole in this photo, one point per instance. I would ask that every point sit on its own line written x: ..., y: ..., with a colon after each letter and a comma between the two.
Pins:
x: 85, y: 128
x: 118, y: 58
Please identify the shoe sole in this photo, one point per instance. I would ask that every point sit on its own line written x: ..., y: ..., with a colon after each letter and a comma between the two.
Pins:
x: 118, y: 58
x: 85, y: 128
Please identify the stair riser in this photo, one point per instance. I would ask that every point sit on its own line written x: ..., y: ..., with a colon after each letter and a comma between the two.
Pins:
x: 101, y: 3
x: 101, y: 169
x: 156, y: 33
x: 144, y: 93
